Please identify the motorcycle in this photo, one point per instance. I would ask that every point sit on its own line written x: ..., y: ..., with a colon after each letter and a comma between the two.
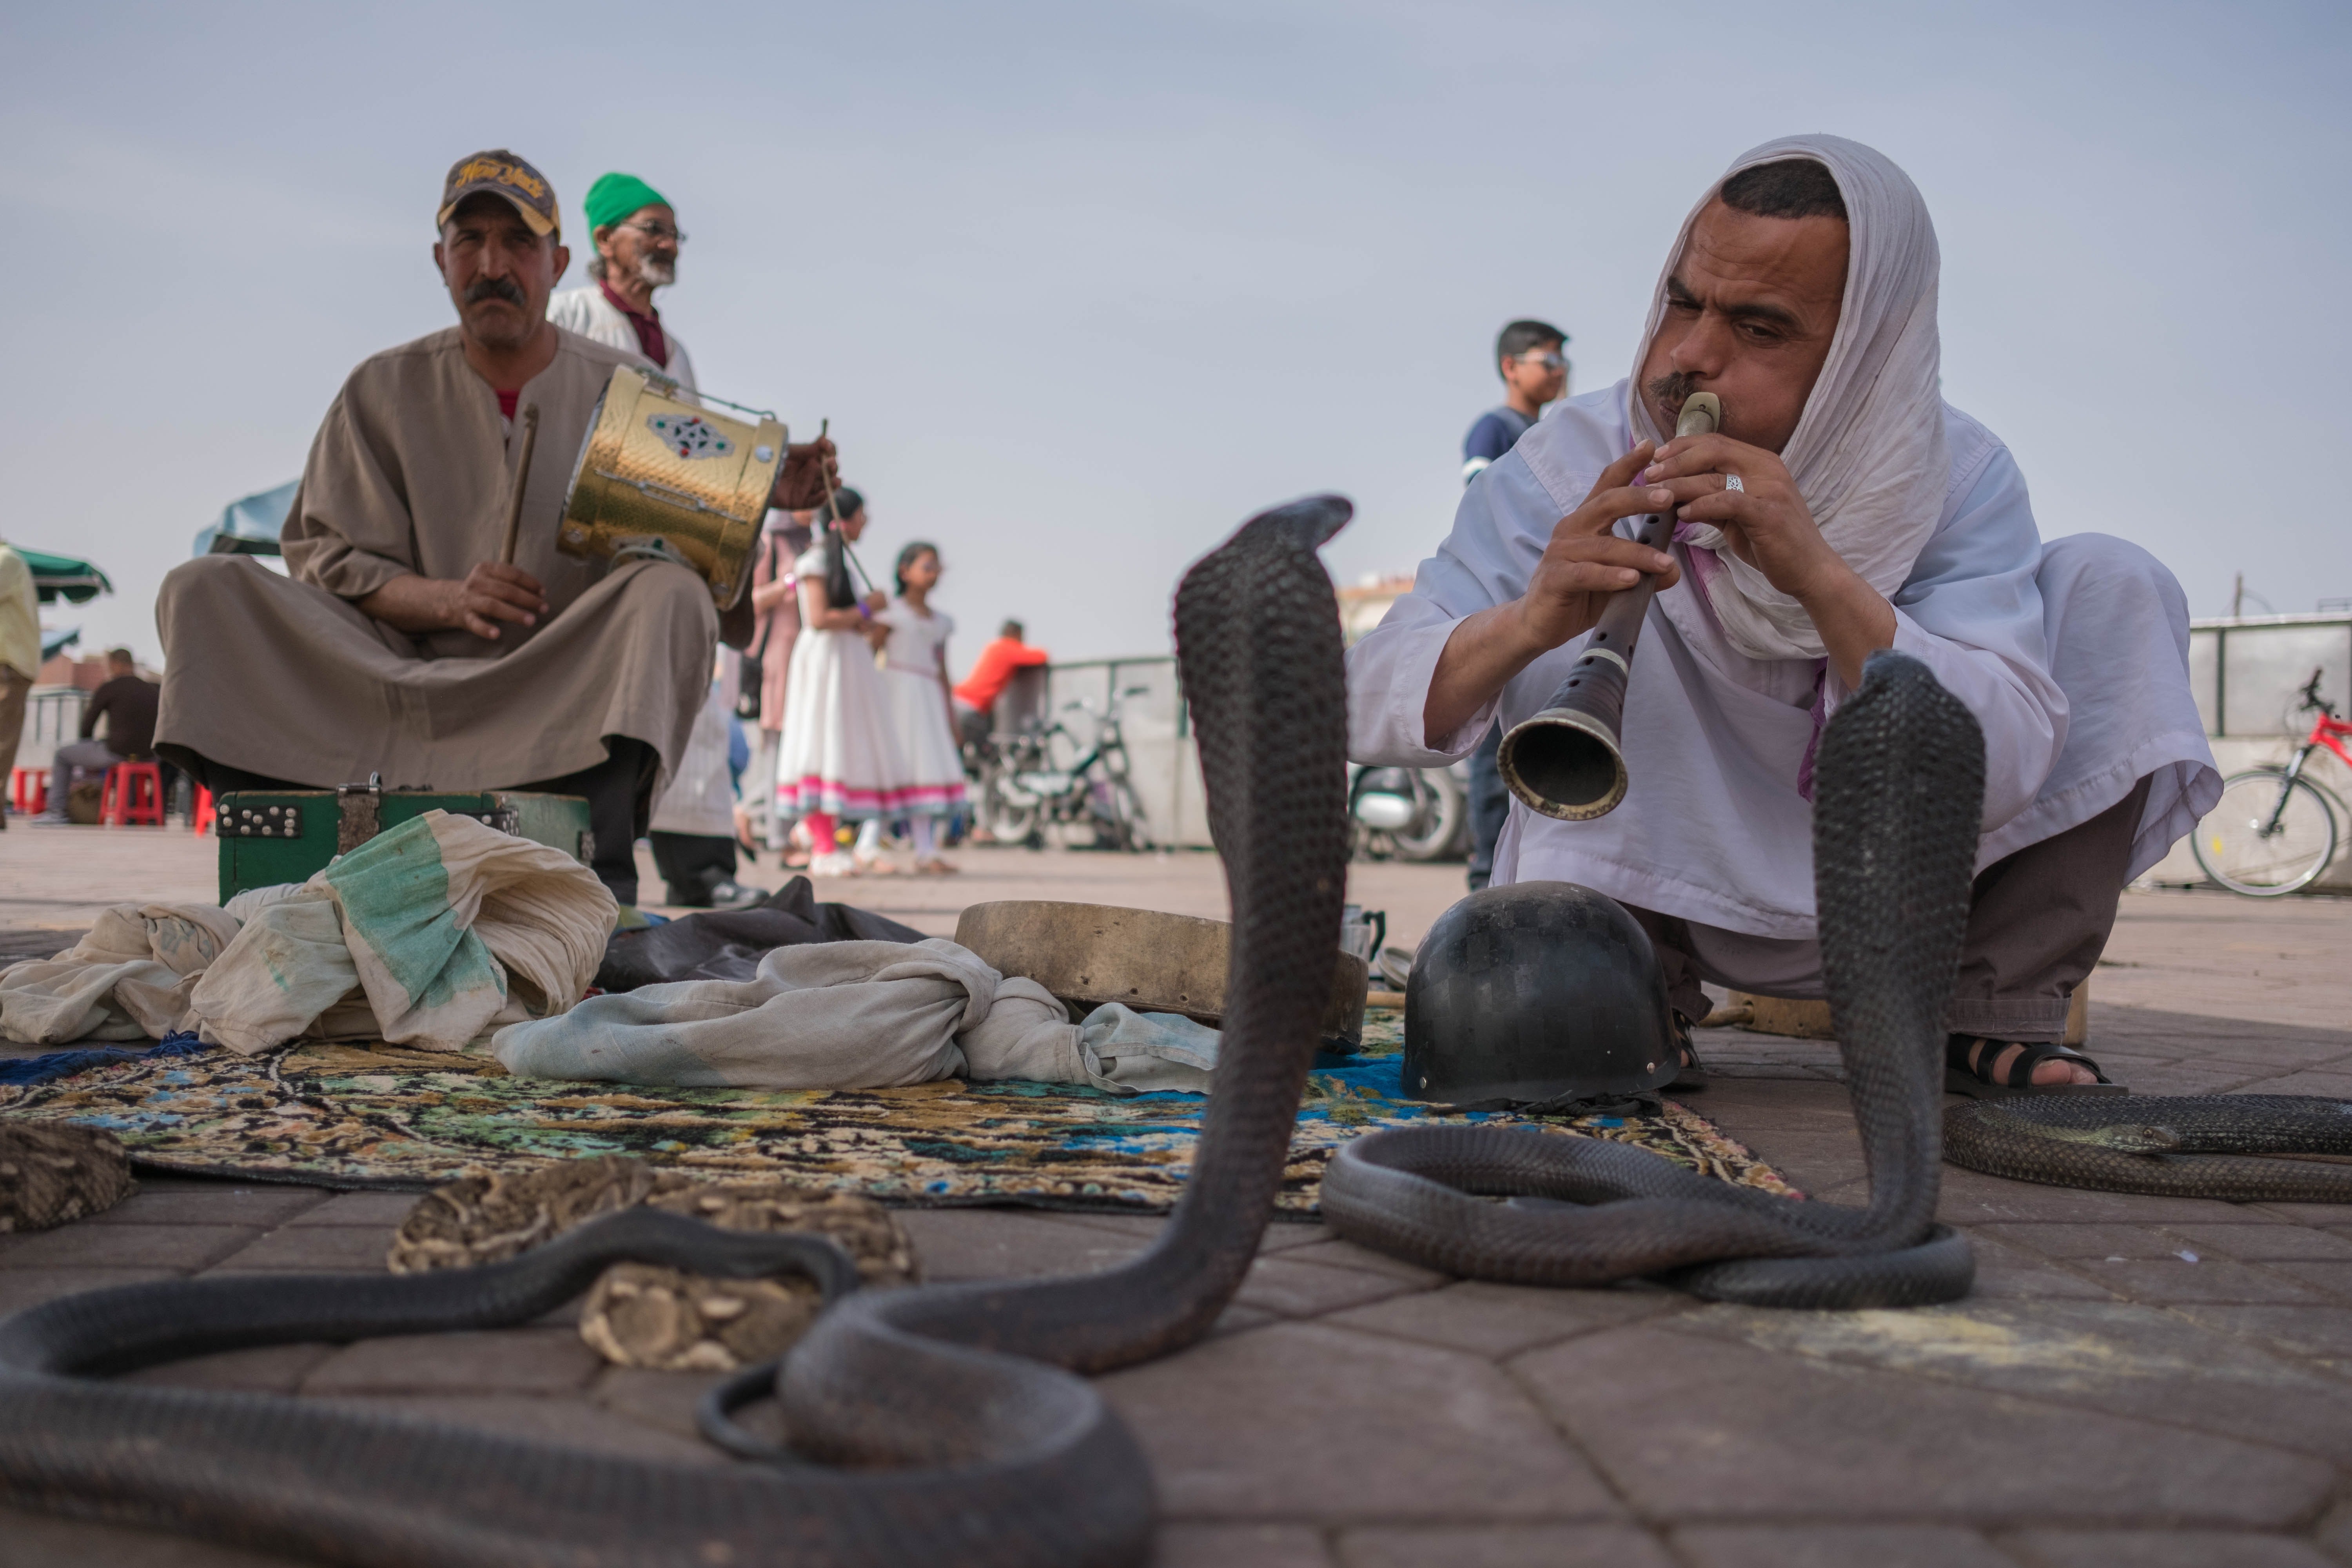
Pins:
x: 1049, y: 778
x: 1410, y: 814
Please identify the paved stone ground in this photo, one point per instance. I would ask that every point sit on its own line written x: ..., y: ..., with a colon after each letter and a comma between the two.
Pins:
x: 2147, y: 1381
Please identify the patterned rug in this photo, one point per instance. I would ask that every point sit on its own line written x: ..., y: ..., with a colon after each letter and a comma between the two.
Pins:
x: 344, y: 1116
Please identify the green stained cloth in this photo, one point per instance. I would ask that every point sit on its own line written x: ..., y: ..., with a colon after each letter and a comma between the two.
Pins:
x: 615, y: 196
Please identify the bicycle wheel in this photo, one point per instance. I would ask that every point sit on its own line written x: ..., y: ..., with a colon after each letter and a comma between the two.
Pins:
x: 2253, y: 843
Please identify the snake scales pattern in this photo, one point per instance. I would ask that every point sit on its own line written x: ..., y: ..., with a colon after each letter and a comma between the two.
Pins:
x: 2177, y: 1146
x: 1900, y: 790
x: 951, y: 1419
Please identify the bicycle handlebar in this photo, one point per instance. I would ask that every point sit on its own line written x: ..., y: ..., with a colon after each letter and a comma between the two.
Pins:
x: 2311, y: 697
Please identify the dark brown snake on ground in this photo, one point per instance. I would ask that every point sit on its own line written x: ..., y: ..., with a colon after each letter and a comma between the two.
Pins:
x: 951, y: 1421
x: 2176, y: 1146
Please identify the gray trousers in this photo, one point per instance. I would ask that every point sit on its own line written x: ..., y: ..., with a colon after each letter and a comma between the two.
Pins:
x: 2038, y: 921
x: 92, y: 755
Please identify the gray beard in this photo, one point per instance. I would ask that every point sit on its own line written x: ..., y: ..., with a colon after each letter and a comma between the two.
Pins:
x: 655, y: 273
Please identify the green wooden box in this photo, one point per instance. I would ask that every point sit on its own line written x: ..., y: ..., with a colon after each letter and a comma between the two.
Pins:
x: 289, y: 836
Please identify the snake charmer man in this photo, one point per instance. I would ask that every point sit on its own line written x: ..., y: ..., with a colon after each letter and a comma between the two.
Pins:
x: 399, y: 645
x: 1841, y: 507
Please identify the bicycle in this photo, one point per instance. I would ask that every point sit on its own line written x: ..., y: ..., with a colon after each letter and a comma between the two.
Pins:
x: 1047, y: 776
x: 2273, y: 831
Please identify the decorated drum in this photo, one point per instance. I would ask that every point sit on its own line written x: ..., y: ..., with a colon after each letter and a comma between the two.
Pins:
x: 678, y: 481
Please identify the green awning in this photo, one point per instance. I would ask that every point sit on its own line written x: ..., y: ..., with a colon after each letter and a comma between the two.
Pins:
x: 59, y: 577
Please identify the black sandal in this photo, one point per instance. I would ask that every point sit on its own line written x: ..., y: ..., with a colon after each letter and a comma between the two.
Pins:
x: 1974, y: 1080
x: 1690, y: 1073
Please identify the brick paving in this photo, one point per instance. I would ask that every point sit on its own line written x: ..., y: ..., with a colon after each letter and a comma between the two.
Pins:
x: 2145, y: 1381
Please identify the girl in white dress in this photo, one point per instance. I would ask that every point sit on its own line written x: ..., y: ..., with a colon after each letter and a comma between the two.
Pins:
x: 922, y: 722
x: 838, y: 756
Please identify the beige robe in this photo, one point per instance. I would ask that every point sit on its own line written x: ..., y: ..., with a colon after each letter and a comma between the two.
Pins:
x: 285, y: 677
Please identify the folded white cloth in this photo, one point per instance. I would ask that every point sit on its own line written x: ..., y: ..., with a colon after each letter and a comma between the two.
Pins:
x: 858, y: 1015
x: 426, y: 935
x: 128, y: 979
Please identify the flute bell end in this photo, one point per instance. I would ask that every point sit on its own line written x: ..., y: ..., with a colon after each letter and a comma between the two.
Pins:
x: 1564, y: 763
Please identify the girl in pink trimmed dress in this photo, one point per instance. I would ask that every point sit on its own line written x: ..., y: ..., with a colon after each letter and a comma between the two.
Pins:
x: 915, y: 678
x: 838, y: 756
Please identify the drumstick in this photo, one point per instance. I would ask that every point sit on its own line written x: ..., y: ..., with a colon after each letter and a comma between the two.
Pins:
x: 821, y: 426
x: 521, y: 479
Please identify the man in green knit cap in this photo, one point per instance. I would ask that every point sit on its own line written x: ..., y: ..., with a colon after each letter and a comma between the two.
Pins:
x: 637, y: 238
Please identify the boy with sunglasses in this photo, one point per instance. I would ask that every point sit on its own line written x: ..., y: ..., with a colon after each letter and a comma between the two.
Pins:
x: 1530, y: 358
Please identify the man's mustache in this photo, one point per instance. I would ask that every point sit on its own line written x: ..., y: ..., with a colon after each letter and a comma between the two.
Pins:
x: 1672, y: 390
x: 505, y: 288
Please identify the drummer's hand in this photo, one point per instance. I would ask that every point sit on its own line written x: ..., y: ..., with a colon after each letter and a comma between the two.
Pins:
x: 1585, y: 561
x: 876, y: 633
x: 809, y: 470
x: 492, y: 592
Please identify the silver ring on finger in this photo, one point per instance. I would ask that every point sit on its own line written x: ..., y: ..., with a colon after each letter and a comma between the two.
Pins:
x: 1731, y: 482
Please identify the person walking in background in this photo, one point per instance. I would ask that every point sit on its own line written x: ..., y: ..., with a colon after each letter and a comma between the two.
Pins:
x: 837, y: 756
x: 20, y: 657
x: 637, y: 238
x: 768, y: 663
x: 128, y: 704
x: 1530, y: 358
x: 922, y: 714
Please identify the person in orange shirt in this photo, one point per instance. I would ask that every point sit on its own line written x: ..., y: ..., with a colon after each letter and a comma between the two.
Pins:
x: 991, y: 672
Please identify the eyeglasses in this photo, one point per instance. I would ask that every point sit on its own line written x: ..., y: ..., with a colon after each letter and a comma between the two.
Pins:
x: 1547, y: 359
x: 658, y: 232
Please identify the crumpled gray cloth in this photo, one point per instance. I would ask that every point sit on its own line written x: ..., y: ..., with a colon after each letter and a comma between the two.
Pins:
x: 858, y: 1015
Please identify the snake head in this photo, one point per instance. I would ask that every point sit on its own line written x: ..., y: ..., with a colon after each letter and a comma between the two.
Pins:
x: 2132, y: 1138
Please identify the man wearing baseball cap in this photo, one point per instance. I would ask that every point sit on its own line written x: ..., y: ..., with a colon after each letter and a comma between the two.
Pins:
x: 636, y: 236
x: 399, y: 644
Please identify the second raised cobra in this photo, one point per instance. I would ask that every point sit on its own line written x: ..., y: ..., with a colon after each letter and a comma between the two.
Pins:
x: 1901, y: 786
x: 967, y: 1438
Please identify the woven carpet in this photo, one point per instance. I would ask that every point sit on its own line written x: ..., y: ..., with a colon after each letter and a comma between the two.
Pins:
x: 346, y: 1115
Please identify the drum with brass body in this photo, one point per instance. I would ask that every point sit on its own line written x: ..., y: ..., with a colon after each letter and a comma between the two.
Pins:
x: 662, y: 477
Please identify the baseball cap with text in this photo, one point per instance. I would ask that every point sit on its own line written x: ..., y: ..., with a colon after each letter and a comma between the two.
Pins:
x: 502, y: 173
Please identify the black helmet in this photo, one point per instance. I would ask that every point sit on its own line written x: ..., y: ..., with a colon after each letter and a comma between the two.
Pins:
x: 1542, y: 994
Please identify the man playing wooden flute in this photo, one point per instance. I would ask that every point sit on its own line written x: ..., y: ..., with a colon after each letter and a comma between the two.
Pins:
x: 399, y: 645
x: 1842, y: 507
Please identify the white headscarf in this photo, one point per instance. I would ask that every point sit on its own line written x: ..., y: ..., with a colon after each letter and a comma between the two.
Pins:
x: 1868, y: 452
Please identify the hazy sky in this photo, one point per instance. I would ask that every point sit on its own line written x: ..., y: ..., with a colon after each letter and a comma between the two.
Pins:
x: 1081, y: 286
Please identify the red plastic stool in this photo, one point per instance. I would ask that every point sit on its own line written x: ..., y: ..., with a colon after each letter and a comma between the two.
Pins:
x: 134, y: 795
x: 200, y: 814
x: 28, y: 791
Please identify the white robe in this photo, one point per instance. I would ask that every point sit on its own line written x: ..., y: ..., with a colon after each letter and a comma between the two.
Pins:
x: 589, y: 313
x: 2072, y: 655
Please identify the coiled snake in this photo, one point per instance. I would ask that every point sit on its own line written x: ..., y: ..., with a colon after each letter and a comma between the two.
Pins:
x: 1901, y: 787
x: 961, y: 1432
